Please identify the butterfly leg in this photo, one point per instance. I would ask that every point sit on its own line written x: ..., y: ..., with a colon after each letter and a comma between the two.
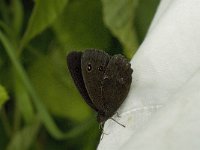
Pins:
x: 118, y: 122
x: 101, y: 126
x: 102, y: 135
x: 118, y: 115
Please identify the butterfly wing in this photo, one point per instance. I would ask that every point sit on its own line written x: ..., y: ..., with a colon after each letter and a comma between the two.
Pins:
x: 116, y: 83
x: 94, y: 63
x: 74, y: 66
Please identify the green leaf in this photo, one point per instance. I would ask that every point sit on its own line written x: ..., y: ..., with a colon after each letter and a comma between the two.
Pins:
x: 81, y: 26
x: 3, y: 95
x: 44, y: 13
x: 23, y: 139
x: 143, y: 16
x: 119, y: 18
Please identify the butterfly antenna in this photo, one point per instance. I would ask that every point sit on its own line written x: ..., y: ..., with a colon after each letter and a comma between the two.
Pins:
x: 118, y: 122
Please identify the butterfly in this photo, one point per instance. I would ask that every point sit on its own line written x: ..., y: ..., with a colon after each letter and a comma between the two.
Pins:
x: 102, y: 80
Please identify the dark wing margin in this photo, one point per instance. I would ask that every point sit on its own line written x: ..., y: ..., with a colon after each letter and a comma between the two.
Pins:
x: 116, y: 83
x: 74, y: 66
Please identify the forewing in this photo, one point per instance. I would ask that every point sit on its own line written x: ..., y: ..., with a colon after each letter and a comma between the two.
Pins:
x: 74, y: 66
x: 93, y: 65
x: 116, y: 83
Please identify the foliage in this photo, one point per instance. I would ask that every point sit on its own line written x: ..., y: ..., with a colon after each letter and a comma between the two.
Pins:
x: 3, y: 96
x: 45, y: 111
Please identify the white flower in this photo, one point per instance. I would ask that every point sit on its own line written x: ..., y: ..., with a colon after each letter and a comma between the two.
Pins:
x: 162, y: 110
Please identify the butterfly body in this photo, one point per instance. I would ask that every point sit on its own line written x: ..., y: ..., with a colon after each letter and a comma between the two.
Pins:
x: 103, y: 80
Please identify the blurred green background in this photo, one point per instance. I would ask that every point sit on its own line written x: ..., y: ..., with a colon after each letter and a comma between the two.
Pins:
x: 40, y: 107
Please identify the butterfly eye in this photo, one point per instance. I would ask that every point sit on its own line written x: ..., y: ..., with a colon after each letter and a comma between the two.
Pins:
x: 89, y: 67
x: 100, y: 68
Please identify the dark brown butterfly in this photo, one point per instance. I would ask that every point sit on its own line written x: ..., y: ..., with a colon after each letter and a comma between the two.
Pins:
x: 103, y: 80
